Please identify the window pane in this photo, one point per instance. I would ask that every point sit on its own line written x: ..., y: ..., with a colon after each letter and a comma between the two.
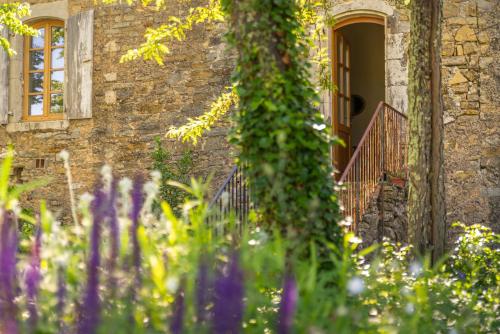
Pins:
x: 346, y: 112
x: 57, y: 58
x: 57, y: 80
x: 340, y: 106
x: 36, y: 82
x: 35, y: 105
x: 57, y: 36
x: 37, y: 41
x: 56, y: 103
x: 36, y: 60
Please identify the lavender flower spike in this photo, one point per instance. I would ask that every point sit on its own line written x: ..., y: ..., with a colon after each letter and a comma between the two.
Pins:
x: 202, y: 291
x: 229, y: 293
x: 137, y: 201
x: 32, y: 279
x: 8, y: 250
x: 90, y: 311
x: 61, y: 299
x: 288, y: 305
x: 176, y: 324
x: 114, y: 235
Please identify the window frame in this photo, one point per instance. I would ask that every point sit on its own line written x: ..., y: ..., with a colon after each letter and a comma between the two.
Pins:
x: 47, y: 70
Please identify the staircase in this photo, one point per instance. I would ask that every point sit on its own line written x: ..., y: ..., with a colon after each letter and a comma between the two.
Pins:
x: 382, y: 151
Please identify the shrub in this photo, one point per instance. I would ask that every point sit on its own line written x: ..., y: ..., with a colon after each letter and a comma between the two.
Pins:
x: 126, y: 270
x: 170, y: 170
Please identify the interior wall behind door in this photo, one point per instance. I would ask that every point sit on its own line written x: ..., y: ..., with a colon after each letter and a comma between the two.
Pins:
x: 367, y: 70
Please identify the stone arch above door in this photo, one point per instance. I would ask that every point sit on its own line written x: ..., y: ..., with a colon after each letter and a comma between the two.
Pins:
x: 397, y: 31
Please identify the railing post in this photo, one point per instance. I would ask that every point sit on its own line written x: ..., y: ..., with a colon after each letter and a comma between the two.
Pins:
x: 357, y: 195
x: 382, y: 168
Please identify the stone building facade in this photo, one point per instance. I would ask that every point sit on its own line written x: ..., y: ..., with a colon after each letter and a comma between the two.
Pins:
x: 133, y: 102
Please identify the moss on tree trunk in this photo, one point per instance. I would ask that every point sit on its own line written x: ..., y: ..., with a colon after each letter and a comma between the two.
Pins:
x: 426, y: 209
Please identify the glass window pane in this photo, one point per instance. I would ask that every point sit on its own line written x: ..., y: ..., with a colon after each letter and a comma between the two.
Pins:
x: 56, y: 103
x: 339, y: 71
x: 38, y: 41
x: 36, y: 82
x: 346, y: 112
x: 57, y: 80
x: 340, y: 115
x: 57, y: 36
x: 57, y: 58
x: 341, y: 50
x: 35, y: 105
x: 348, y: 83
x: 36, y: 60
x: 347, y: 57
x: 341, y: 111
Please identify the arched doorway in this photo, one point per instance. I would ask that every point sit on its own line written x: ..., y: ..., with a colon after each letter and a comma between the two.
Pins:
x: 358, y: 53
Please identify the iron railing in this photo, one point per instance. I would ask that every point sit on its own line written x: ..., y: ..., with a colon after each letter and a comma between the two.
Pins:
x: 382, y: 150
x: 233, y: 198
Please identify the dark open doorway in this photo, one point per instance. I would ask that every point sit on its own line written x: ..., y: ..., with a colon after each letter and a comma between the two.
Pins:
x: 359, y: 75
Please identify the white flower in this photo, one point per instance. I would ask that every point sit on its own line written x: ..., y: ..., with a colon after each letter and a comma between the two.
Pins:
x: 125, y: 185
x: 409, y: 308
x: 415, y: 268
x: 453, y: 331
x: 346, y: 222
x: 172, y: 284
x: 319, y: 127
x: 155, y: 176
x: 63, y: 155
x: 85, y: 200
x: 355, y: 285
x: 150, y: 189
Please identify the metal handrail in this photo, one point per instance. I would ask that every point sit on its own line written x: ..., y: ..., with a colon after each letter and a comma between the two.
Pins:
x: 381, y: 151
x: 232, y: 199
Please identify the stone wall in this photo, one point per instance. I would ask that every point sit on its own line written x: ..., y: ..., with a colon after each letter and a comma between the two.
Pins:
x: 392, y: 223
x: 133, y: 103
x: 471, y: 77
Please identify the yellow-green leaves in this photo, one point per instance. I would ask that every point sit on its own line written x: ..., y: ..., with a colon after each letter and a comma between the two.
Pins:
x: 10, y: 18
x: 157, y: 39
x: 195, y: 127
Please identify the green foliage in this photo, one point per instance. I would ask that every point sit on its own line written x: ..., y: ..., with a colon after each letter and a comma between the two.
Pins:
x: 10, y: 18
x: 195, y: 127
x: 170, y: 170
x: 283, y: 140
x: 391, y: 293
x: 157, y: 39
x: 476, y: 257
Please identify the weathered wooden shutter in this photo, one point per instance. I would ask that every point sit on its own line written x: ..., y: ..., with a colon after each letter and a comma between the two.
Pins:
x: 79, y: 51
x: 4, y: 81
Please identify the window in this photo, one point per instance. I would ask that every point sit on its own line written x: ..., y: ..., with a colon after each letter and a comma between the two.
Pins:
x: 44, y: 72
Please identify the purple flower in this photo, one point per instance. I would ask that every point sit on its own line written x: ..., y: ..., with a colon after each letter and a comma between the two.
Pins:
x: 176, y: 323
x: 90, y: 310
x: 228, y: 303
x: 137, y: 201
x: 288, y: 305
x: 114, y: 234
x: 8, y: 250
x: 32, y: 278
x: 202, y: 291
x: 61, y: 296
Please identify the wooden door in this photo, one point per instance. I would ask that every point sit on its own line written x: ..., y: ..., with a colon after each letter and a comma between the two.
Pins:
x: 342, y: 101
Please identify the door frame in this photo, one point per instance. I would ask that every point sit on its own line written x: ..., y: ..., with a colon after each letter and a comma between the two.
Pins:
x: 340, y: 23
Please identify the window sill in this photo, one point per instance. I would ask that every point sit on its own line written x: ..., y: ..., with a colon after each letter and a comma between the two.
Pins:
x: 38, y: 126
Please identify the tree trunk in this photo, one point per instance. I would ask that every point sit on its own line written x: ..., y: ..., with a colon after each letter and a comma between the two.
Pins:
x: 281, y: 136
x: 426, y: 205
